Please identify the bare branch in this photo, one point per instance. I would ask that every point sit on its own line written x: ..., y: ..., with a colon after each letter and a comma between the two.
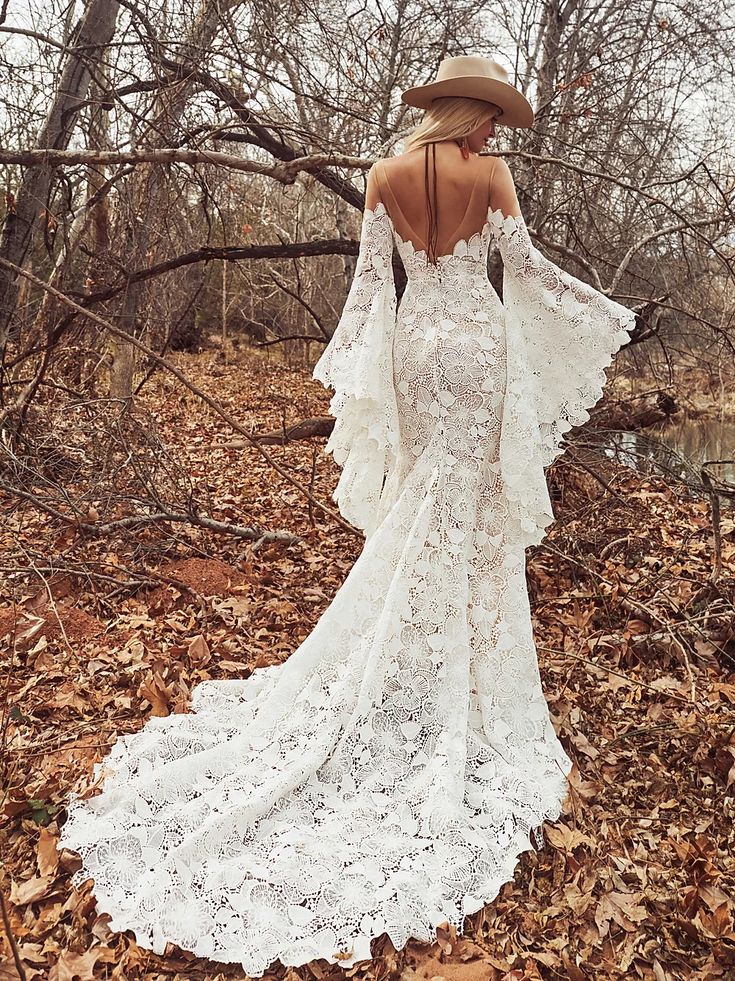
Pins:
x: 164, y: 363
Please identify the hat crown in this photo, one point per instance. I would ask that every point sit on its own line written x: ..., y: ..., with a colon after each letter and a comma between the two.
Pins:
x: 463, y: 65
x: 474, y: 77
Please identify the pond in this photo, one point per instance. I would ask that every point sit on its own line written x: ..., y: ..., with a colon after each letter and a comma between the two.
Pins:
x: 678, y: 448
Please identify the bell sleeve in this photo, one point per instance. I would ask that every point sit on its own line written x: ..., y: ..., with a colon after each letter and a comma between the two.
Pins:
x: 358, y: 364
x: 561, y: 335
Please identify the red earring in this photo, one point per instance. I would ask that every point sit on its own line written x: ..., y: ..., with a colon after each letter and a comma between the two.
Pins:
x: 465, y: 148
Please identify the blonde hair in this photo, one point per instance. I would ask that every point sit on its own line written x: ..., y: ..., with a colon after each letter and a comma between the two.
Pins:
x: 450, y: 118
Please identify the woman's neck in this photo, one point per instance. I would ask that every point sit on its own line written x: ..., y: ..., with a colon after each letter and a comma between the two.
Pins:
x: 450, y: 142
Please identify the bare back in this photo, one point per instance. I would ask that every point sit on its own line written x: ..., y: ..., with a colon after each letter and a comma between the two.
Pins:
x: 462, y: 194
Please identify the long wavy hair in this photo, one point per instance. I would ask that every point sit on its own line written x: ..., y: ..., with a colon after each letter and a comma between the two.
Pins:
x: 450, y: 118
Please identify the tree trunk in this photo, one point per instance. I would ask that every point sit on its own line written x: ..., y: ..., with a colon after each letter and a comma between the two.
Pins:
x: 93, y: 34
x: 555, y: 18
x: 147, y: 188
x: 122, y: 369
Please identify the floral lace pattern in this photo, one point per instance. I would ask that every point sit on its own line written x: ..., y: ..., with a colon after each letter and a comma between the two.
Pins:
x: 357, y: 364
x: 561, y: 335
x: 387, y: 776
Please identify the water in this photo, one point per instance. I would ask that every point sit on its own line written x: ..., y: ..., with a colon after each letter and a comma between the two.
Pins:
x: 704, y: 439
x: 677, y: 448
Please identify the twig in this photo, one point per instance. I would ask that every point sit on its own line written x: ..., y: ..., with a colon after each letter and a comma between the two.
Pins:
x: 726, y: 490
x: 597, y: 477
x: 11, y: 939
x: 100, y: 529
x: 619, y: 674
x: 285, y: 172
x: 52, y: 601
x: 639, y: 609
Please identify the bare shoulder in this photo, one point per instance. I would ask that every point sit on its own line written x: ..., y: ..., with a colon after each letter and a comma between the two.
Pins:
x: 500, y: 168
x: 377, y: 167
x: 384, y: 163
x: 399, y: 160
x: 503, y: 189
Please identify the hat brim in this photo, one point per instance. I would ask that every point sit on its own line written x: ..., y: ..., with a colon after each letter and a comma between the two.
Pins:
x: 517, y: 110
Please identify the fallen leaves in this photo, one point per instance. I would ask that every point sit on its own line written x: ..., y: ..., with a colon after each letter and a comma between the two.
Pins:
x: 198, y: 650
x: 637, y: 877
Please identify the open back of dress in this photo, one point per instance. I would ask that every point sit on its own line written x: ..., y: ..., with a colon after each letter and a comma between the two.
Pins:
x: 462, y: 194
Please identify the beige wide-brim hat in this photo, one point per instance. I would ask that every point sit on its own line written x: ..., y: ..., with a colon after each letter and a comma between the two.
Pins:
x: 474, y: 78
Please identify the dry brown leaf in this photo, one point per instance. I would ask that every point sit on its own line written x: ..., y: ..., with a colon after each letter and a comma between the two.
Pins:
x: 573, y: 973
x: 577, y: 900
x: 31, y: 890
x: 717, y: 924
x: 547, y: 958
x: 75, y: 967
x: 566, y: 838
x: 47, y: 856
x: 69, y: 695
x: 713, y: 896
x: 155, y: 690
x: 582, y: 743
x: 8, y: 970
x: 198, y: 650
x: 622, y: 908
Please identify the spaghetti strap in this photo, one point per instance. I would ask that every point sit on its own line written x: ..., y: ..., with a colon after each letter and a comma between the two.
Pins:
x: 386, y: 191
x: 490, y: 179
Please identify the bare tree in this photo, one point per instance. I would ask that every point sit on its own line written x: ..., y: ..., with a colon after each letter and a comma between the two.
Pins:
x: 240, y: 132
x: 82, y: 52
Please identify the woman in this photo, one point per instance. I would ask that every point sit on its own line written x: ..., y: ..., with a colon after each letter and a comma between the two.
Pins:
x: 386, y: 777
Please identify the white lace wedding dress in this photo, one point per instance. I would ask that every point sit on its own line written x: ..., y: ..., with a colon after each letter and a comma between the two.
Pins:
x: 387, y: 776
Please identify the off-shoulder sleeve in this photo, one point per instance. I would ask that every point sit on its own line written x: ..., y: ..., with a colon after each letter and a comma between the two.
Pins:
x: 357, y: 363
x: 561, y: 335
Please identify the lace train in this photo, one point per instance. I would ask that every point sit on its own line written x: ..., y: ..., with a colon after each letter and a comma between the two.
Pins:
x: 385, y: 778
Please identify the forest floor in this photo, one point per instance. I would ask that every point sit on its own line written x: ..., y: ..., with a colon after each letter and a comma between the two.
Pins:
x: 636, y: 648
